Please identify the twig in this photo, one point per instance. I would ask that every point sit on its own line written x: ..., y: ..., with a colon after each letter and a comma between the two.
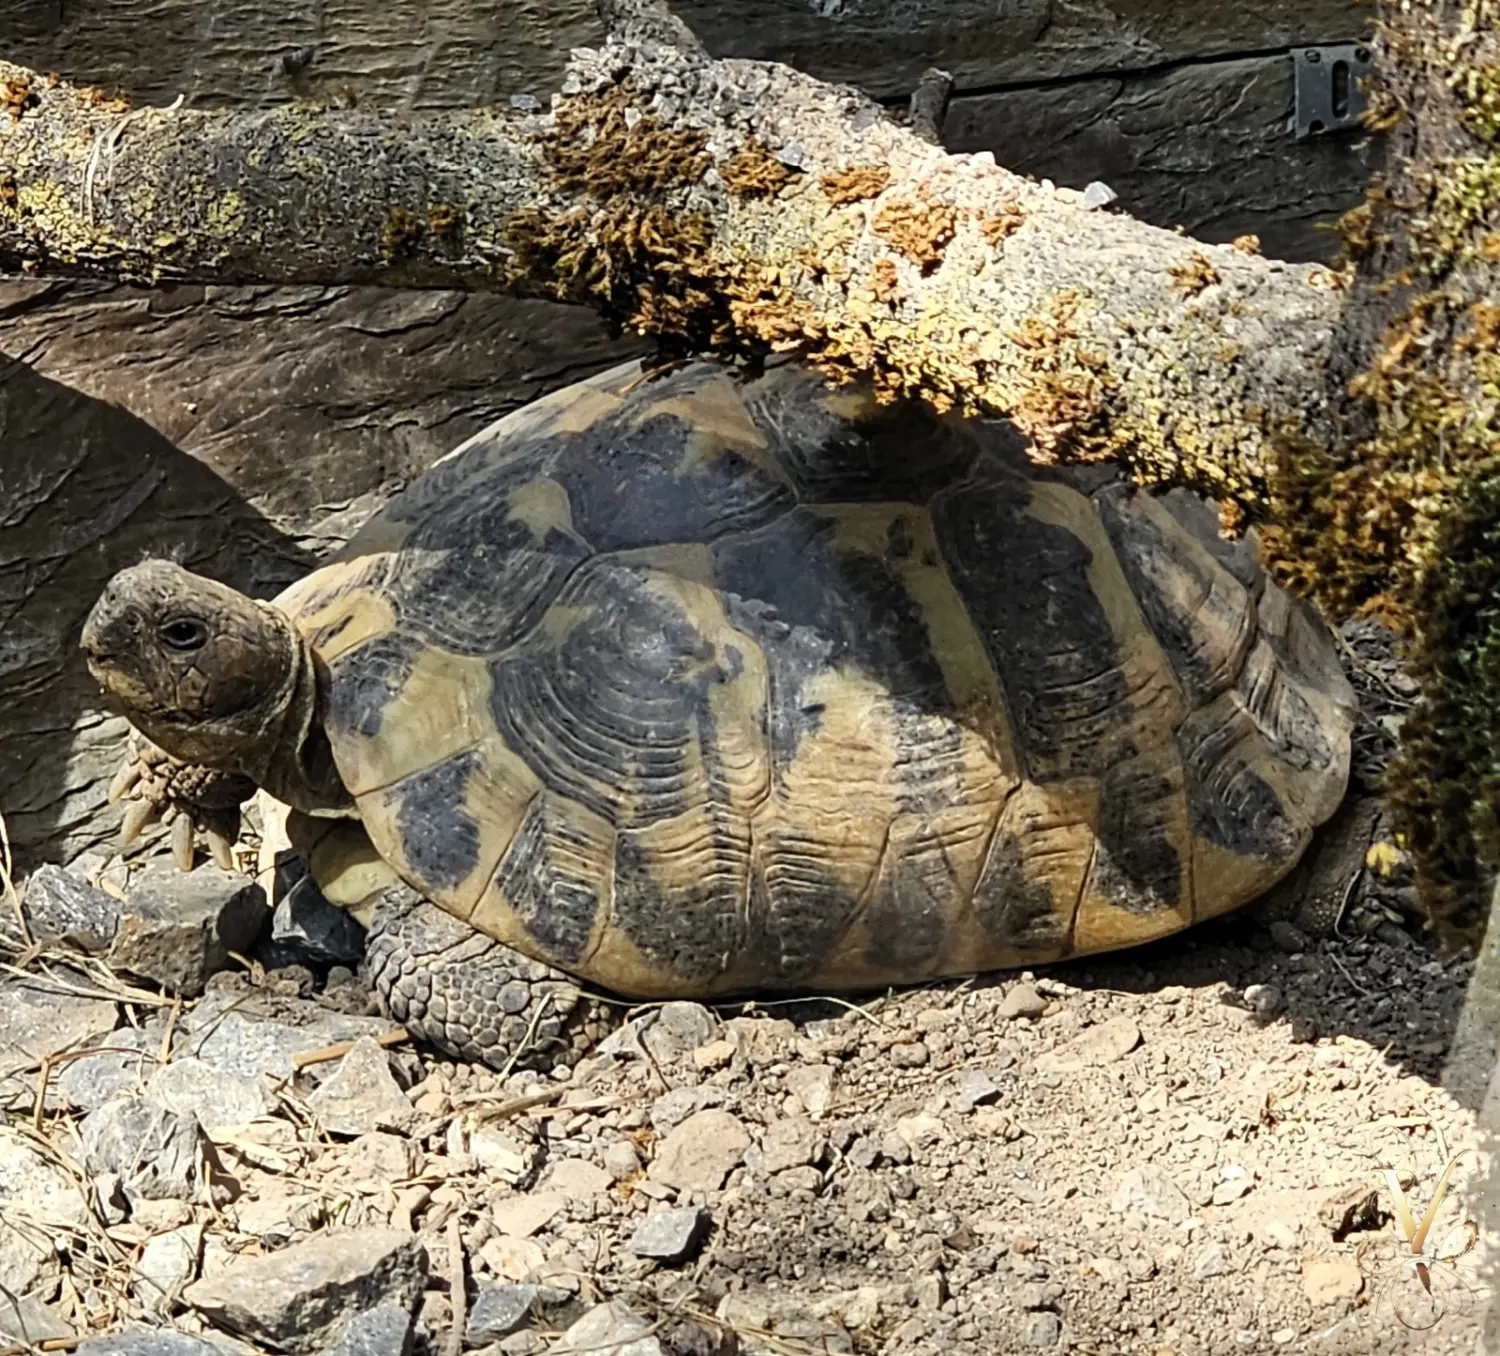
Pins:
x: 458, y: 1293
x: 524, y: 1044
x: 1343, y: 970
x: 516, y: 1105
x: 323, y: 1054
x: 109, y: 142
x: 8, y: 884
x: 1344, y: 902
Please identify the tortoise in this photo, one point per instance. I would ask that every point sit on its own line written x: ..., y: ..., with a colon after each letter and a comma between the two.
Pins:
x: 709, y: 683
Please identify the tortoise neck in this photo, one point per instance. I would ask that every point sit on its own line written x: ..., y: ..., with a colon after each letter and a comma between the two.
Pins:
x: 295, y: 762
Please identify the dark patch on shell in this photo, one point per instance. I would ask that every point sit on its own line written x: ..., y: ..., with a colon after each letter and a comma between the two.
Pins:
x: 363, y: 682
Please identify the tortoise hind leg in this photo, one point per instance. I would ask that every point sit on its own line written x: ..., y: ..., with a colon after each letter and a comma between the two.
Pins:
x: 470, y: 996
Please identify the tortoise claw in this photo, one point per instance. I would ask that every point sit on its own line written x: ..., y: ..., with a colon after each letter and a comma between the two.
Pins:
x: 125, y: 780
x: 221, y: 848
x: 182, y: 841
x: 138, y: 814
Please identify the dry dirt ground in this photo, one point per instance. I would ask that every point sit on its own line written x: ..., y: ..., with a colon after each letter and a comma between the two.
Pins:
x: 1172, y: 1152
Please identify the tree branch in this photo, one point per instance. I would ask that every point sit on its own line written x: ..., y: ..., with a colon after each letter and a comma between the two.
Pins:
x: 733, y: 205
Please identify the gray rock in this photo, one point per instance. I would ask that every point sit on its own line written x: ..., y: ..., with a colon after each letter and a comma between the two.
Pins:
x: 909, y: 1055
x: 812, y: 1085
x: 158, y: 1154
x: 500, y: 1310
x: 164, y: 1343
x: 385, y: 1330
x: 972, y: 1088
x: 219, y: 1100
x: 292, y: 1300
x: 26, y: 1320
x: 679, y: 1029
x: 309, y: 929
x: 1041, y: 1330
x: 792, y: 1142
x: 670, y: 1236
x: 36, y: 1022
x: 622, y: 1159
x: 1213, y: 1259
x: 701, y: 1152
x: 235, y: 1039
x: 123, y: 1065
x: 674, y: 1107
x: 1094, y: 1047
x: 178, y: 928
x: 167, y: 1263
x: 1022, y: 1000
x: 1265, y: 1000
x: 61, y: 908
x: 1287, y: 937
x: 1149, y: 1190
x: 609, y: 1330
x: 362, y: 1095
x: 687, y: 1338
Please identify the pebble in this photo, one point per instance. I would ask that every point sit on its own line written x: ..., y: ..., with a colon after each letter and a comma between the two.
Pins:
x: 1331, y: 1280
x: 305, y: 927
x: 674, y: 1107
x: 622, y: 1160
x: 1213, y: 1259
x: 25, y: 1320
x: 701, y: 1152
x: 499, y: 1310
x: 577, y: 1179
x: 812, y: 1085
x: 293, y: 1299
x: 909, y: 1054
x: 166, y: 1264
x: 1265, y: 1000
x: 35, y: 1022
x: 1022, y: 1000
x: 670, y: 1236
x: 609, y: 1330
x: 1041, y: 1330
x: 177, y: 928
x: 792, y: 1142
x: 678, y: 1030
x: 362, y: 1095
x: 522, y: 1216
x: 60, y: 908
x: 1093, y: 1048
x: 1150, y: 1190
x: 972, y: 1088
x: 385, y: 1330
x: 220, y: 1101
x: 165, y: 1343
x: 714, y: 1055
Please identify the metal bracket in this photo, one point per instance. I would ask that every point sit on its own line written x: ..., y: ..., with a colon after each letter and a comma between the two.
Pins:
x: 1328, y: 97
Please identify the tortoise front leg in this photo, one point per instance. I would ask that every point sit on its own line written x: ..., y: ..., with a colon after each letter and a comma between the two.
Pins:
x: 472, y: 997
x: 188, y: 797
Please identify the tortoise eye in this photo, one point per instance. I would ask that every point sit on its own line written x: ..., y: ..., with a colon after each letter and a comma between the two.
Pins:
x: 184, y: 633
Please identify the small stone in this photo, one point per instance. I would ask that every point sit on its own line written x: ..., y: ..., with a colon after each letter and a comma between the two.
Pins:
x: 972, y: 1088
x: 792, y: 1142
x: 513, y: 1259
x: 167, y: 1263
x: 291, y: 1300
x: 522, y: 1216
x: 1022, y: 1000
x: 609, y: 1330
x: 930, y: 1292
x: 812, y: 1085
x: 1287, y: 937
x: 917, y: 1131
x: 1041, y: 1330
x: 523, y: 1343
x: 1213, y: 1259
x: 157, y: 1153
x: 178, y: 927
x: 909, y: 1054
x: 1093, y: 1048
x: 674, y: 1107
x: 378, y: 1158
x: 165, y: 1343
x: 684, y: 1337
x: 577, y: 1179
x: 36, y: 1022
x: 385, y: 1330
x: 497, y: 1153
x: 220, y: 1101
x: 61, y: 908
x: 1331, y: 1280
x: 679, y: 1029
x: 622, y: 1160
x: 701, y: 1152
x: 714, y: 1055
x: 28, y: 1321
x: 1231, y: 1190
x: 1149, y: 1190
x: 896, y: 1148
x: 362, y: 1095
x: 307, y: 928
x: 500, y: 1310
x: 1098, y: 194
x: 670, y: 1236
x: 1265, y: 1000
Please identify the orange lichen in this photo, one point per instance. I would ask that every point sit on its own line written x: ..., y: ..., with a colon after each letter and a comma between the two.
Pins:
x: 1246, y: 244
x: 753, y: 172
x: 1000, y: 227
x: 919, y: 230
x: 887, y: 281
x: 855, y: 183
x: 1194, y: 274
x: 17, y: 96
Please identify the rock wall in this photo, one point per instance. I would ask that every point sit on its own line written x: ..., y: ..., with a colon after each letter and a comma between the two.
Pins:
x: 246, y: 430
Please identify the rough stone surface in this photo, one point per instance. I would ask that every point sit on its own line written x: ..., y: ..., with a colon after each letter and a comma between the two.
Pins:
x: 26, y: 1320
x: 670, y: 1236
x: 792, y: 1142
x: 1331, y: 1280
x: 159, y: 1154
x: 219, y: 1100
x: 609, y: 1330
x: 37, y: 1021
x: 155, y: 1344
x: 61, y: 908
x: 167, y: 1263
x: 313, y: 931
x: 1022, y: 1000
x: 499, y: 1310
x: 1106, y: 1043
x: 1150, y: 1190
x: 292, y: 1299
x: 178, y: 928
x: 385, y: 1330
x: 701, y: 1152
x: 362, y: 1095
x: 679, y: 1029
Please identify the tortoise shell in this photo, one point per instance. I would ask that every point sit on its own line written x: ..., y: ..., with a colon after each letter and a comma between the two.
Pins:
x: 696, y: 684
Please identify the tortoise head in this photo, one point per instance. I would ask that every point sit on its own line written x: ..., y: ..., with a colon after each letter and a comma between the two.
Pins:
x: 207, y: 673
